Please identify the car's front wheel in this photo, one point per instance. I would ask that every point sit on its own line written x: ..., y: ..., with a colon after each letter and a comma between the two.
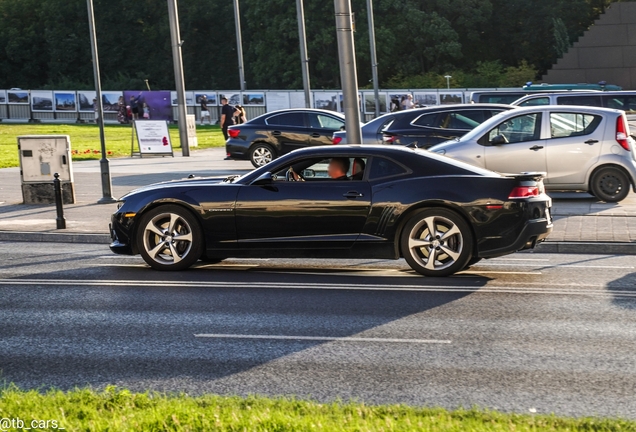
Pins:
x: 169, y: 238
x: 436, y: 242
x: 261, y: 154
x: 610, y: 184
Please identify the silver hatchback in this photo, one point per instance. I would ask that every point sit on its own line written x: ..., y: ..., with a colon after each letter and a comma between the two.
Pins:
x: 580, y: 148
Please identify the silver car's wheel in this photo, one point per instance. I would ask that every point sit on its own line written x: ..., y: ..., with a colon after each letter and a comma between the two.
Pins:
x: 436, y: 242
x: 610, y: 184
x: 261, y: 154
x: 169, y: 238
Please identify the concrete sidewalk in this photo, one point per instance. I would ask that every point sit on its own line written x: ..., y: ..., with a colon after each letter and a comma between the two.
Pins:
x: 581, y: 223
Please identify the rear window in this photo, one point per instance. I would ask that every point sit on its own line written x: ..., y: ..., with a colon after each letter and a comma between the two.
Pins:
x: 625, y: 103
x: 536, y: 101
x: 594, y: 101
x: 427, y: 120
x: 287, y: 119
x: 564, y: 125
x: 381, y: 167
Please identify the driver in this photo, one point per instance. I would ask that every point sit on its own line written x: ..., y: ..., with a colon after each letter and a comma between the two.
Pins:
x: 338, y: 168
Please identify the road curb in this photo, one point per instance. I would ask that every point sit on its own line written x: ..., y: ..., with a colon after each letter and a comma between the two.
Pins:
x: 29, y: 236
x: 601, y: 248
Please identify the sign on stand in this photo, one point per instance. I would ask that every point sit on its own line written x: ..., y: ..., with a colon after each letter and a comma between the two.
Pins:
x: 153, y: 138
x: 192, y: 130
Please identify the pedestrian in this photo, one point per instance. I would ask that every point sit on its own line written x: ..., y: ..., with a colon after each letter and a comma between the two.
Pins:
x: 122, y: 115
x: 241, y: 116
x: 134, y: 106
x: 146, y: 110
x: 227, y: 116
x: 407, y: 102
x: 205, y: 112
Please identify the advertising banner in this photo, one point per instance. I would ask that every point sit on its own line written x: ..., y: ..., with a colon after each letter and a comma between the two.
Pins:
x: 156, y: 104
x: 153, y: 137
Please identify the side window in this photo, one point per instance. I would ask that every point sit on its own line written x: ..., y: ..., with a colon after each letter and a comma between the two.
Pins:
x: 467, y: 120
x: 572, y: 124
x: 625, y: 103
x: 579, y: 100
x: 536, y: 101
x: 321, y: 121
x: 427, y: 120
x: 522, y: 128
x: 381, y: 167
x: 287, y: 119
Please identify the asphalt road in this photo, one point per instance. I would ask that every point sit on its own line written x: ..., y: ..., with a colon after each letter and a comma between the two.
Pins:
x: 551, y: 333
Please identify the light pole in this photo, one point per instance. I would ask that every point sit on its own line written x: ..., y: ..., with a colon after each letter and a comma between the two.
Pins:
x: 107, y: 194
x: 239, y: 44
x: 448, y: 77
x: 175, y: 37
x: 348, y: 74
x: 304, y: 61
x: 374, y: 57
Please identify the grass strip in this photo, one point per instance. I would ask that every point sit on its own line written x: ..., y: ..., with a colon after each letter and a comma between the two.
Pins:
x: 85, y: 141
x: 116, y: 409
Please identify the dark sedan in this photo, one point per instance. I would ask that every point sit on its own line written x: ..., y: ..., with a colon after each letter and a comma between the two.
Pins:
x: 271, y: 135
x: 441, y: 215
x: 434, y: 125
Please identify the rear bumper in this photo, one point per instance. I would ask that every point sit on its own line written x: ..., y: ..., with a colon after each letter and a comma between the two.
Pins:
x: 534, y: 232
x: 237, y: 149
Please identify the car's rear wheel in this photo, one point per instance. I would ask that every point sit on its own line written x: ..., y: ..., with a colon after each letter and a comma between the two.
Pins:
x: 261, y: 154
x: 610, y: 184
x: 436, y: 242
x: 169, y: 238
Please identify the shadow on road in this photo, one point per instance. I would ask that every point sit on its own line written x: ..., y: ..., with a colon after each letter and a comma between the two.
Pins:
x: 621, y: 286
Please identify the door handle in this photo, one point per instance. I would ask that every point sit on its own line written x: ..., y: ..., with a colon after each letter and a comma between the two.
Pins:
x: 591, y: 141
x: 315, y: 135
x: 536, y: 147
x: 276, y: 133
x: 352, y: 194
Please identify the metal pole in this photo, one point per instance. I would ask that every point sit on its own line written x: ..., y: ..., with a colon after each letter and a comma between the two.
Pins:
x: 348, y: 75
x: 60, y: 221
x: 107, y: 194
x: 176, y: 41
x: 374, y: 57
x: 304, y: 61
x: 239, y: 44
x: 448, y: 77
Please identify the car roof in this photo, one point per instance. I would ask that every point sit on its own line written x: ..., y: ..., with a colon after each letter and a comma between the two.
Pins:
x: 567, y: 108
x: 314, y: 110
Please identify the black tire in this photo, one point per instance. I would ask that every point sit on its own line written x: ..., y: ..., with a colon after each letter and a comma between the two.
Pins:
x: 610, y: 184
x: 261, y: 154
x: 423, y: 238
x: 169, y: 238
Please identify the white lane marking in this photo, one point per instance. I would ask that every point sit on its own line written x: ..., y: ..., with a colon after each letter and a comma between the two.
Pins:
x: 321, y: 338
x: 520, y: 259
x: 495, y: 264
x: 476, y: 271
x: 600, y: 290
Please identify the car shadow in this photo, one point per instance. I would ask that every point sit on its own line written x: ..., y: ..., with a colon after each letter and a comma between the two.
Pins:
x: 127, y: 325
x: 624, y: 291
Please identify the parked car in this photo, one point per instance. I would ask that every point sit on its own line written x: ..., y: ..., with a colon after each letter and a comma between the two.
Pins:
x: 396, y: 207
x: 433, y: 125
x: 622, y: 100
x: 580, y: 148
x: 372, y: 130
x: 271, y: 135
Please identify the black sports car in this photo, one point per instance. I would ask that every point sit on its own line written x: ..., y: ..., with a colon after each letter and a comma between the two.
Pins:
x: 266, y: 137
x: 441, y: 215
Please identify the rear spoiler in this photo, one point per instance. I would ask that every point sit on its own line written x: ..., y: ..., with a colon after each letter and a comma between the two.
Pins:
x: 525, y: 176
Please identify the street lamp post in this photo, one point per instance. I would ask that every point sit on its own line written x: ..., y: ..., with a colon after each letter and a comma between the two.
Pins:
x: 348, y: 74
x: 374, y: 57
x: 304, y: 61
x: 448, y: 77
x: 107, y: 194
x: 239, y: 44
x: 175, y: 37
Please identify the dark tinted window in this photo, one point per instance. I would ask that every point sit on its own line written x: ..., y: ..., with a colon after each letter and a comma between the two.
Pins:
x: 381, y: 167
x: 427, y: 120
x: 499, y: 98
x: 288, y: 119
x: 579, y: 100
x: 536, y: 101
x: 625, y: 103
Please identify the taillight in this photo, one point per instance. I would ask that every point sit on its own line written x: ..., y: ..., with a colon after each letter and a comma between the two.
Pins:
x: 389, y: 139
x: 233, y: 133
x: 621, y: 133
x: 336, y: 140
x: 524, y: 192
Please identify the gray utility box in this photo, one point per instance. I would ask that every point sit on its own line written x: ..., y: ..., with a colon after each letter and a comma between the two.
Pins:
x: 41, y: 156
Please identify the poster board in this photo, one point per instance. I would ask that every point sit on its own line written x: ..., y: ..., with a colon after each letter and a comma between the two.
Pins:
x: 297, y: 99
x: 65, y: 101
x: 3, y: 97
x: 191, y: 121
x: 41, y: 101
x: 278, y: 101
x: 18, y: 97
x: 153, y: 137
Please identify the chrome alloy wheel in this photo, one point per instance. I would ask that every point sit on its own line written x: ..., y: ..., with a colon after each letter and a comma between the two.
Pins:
x: 436, y: 243
x: 167, y: 238
x: 262, y: 156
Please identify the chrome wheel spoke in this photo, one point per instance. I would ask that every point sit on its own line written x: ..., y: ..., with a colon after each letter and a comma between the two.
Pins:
x: 430, y: 263
x: 183, y: 237
x: 415, y: 243
x: 156, y: 250
x: 451, y: 253
x: 173, y: 221
x: 451, y: 232
x: 151, y: 227
x: 430, y: 224
x: 175, y: 255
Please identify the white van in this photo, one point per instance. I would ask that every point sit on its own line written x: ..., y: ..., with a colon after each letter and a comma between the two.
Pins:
x: 622, y: 100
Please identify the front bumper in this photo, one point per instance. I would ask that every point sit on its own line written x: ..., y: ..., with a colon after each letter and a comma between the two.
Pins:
x: 121, y: 240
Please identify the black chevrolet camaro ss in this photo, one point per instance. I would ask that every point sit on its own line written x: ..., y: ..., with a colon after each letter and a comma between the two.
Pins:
x: 441, y: 215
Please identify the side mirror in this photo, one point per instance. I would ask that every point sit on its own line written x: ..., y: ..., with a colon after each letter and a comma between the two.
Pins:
x: 499, y: 140
x: 309, y: 173
x: 342, y: 128
x: 264, y: 179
